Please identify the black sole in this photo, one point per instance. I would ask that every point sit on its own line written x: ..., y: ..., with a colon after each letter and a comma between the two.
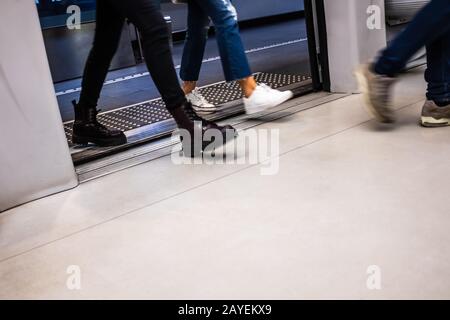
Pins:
x: 112, y: 142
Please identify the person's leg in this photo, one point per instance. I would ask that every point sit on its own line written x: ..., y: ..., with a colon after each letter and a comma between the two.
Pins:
x: 234, y: 60
x: 193, y: 53
x: 109, y: 24
x: 194, y: 48
x: 436, y: 111
x: 376, y: 80
x: 438, y: 70
x: 430, y: 24
x: 108, y: 30
x: 148, y: 19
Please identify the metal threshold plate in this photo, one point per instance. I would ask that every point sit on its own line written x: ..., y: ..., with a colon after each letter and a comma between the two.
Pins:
x: 149, y: 120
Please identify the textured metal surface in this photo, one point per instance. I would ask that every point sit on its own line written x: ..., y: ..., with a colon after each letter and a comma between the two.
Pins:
x: 129, y: 118
x: 148, y: 113
x: 149, y: 120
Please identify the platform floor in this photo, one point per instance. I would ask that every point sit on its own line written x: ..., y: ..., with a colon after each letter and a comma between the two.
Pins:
x: 349, y: 194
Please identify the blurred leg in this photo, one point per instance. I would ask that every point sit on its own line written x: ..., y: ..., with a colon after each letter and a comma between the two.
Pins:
x: 430, y: 24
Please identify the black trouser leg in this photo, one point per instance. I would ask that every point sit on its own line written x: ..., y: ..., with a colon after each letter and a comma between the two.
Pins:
x: 147, y: 17
x: 107, y: 37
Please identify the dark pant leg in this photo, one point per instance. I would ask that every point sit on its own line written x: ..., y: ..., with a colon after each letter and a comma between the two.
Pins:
x: 430, y: 24
x: 438, y: 71
x: 147, y: 17
x: 106, y: 41
x: 196, y: 37
x: 232, y: 53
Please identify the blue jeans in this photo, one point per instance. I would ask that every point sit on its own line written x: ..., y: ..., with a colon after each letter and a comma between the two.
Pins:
x: 430, y: 28
x: 223, y: 15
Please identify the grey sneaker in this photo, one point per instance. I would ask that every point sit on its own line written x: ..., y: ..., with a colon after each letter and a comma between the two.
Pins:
x: 435, y: 116
x: 376, y: 90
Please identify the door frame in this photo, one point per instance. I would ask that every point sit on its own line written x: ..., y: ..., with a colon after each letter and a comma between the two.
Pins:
x: 316, y: 29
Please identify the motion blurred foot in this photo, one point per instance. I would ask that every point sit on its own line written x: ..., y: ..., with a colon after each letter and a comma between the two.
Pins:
x: 204, y: 130
x: 199, y: 102
x: 264, y: 98
x: 377, y: 91
x: 86, y: 129
x: 434, y: 115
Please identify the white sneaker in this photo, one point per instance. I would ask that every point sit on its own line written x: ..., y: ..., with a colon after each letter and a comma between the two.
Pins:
x: 264, y: 97
x: 199, y: 102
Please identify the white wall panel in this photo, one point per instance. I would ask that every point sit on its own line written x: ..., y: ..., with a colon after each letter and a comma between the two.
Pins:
x: 34, y: 157
x: 350, y: 41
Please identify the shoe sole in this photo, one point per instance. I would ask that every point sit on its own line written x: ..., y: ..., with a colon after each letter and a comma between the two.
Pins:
x: 265, y: 107
x: 99, y: 142
x: 205, y: 111
x: 430, y: 122
x: 363, y: 86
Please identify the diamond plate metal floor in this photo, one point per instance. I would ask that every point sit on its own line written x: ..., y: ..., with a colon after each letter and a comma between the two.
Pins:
x: 150, y: 120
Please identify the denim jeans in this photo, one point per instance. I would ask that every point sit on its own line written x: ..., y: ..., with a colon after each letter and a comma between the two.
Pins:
x: 430, y: 28
x: 224, y: 17
x: 148, y: 19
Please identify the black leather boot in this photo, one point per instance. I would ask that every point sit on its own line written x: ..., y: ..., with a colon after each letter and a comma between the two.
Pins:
x: 202, y: 133
x: 86, y: 129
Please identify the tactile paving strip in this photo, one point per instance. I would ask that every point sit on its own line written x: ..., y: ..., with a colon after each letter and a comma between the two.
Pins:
x: 151, y: 112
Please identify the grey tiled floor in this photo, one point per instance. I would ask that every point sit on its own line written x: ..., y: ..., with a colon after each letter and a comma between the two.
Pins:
x: 349, y: 194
